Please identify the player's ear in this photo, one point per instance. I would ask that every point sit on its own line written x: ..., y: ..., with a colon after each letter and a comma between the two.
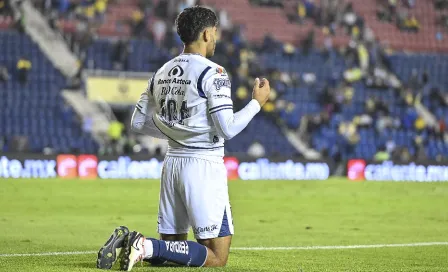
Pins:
x: 207, y: 35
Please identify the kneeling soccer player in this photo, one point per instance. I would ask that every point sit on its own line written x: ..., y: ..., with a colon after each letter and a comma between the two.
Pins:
x: 188, y: 102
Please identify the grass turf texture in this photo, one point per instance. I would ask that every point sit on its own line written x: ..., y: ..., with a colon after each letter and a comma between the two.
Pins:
x: 73, y: 215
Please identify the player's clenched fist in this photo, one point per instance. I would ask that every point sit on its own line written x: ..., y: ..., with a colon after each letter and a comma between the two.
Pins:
x: 261, y: 91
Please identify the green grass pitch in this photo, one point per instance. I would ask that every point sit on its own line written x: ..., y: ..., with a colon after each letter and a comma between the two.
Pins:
x: 38, y: 216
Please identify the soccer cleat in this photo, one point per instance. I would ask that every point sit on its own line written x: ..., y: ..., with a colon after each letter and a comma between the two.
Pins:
x: 112, y: 249
x: 134, y: 251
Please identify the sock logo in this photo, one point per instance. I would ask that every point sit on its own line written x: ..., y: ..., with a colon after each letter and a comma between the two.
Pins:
x: 177, y: 247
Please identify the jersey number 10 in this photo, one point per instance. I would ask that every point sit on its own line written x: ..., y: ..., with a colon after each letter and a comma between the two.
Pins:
x: 171, y: 111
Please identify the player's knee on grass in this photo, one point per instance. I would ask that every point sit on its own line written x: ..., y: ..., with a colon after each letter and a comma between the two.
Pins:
x: 218, y: 250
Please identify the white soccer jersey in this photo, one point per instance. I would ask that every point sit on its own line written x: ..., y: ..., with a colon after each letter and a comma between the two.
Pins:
x: 188, y: 101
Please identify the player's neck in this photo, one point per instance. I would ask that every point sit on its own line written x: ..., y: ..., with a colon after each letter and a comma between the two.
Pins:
x: 194, y: 49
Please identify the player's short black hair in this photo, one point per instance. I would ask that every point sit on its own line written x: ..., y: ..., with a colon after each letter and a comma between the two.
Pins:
x: 192, y: 21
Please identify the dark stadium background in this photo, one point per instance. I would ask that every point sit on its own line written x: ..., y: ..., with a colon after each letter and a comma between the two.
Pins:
x: 358, y: 82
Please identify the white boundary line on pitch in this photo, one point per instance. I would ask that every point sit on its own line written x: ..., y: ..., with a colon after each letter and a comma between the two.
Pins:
x: 251, y: 249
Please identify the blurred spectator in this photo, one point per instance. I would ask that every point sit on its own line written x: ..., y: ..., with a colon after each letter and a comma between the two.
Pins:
x: 242, y: 95
x: 409, y: 3
x: 442, y: 125
x: 5, y: 8
x: 420, y: 152
x: 364, y: 120
x: 350, y: 137
x: 420, y: 124
x: 381, y: 155
x: 328, y: 43
x: 383, y: 14
x: 392, y: 5
x: 120, y: 54
x: 308, y: 42
x: 115, y: 133
x: 137, y: 23
x: 4, y: 75
x: 407, y: 22
x: 414, y: 82
x: 440, y: 158
x: 87, y: 124
x: 256, y: 150
x: 271, y: 3
x: 159, y: 29
x: 130, y: 145
x: 383, y: 122
x: 19, y: 144
x: 349, y: 18
x: 270, y: 45
x: 297, y: 12
x: 405, y: 155
x: 440, y: 4
x: 3, y: 144
x: 390, y: 145
x: 225, y: 23
x: 348, y: 91
x: 409, y: 118
x: 23, y: 67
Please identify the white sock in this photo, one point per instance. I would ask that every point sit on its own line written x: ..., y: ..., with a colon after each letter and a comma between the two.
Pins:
x: 148, y: 248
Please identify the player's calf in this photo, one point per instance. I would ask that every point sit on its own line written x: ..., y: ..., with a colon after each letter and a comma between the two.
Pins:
x: 186, y: 253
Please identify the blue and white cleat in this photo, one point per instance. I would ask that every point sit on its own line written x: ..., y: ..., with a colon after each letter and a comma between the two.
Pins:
x: 112, y: 249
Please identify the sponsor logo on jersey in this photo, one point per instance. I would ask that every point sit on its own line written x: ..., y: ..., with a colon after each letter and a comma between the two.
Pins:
x: 176, y: 71
x: 181, y: 60
x: 221, y: 96
x: 198, y: 230
x: 173, y: 90
x: 174, y: 81
x: 221, y: 70
x: 221, y: 82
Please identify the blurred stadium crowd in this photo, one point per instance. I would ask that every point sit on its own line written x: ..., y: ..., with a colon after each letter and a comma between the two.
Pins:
x: 365, y: 79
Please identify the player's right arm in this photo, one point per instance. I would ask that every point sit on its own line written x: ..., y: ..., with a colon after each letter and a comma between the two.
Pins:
x: 228, y: 124
x: 142, y: 121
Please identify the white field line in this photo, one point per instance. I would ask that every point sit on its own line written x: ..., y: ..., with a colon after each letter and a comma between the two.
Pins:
x: 250, y: 249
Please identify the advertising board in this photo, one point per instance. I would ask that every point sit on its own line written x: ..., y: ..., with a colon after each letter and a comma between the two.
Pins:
x: 390, y: 171
x: 143, y: 167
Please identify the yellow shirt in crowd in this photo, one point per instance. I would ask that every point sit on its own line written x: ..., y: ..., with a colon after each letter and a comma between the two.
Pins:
x: 115, y: 130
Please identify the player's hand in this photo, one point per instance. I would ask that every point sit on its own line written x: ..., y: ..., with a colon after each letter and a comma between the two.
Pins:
x: 261, y: 91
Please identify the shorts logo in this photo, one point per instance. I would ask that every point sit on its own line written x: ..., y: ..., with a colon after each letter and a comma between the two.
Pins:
x: 221, y: 82
x: 66, y: 165
x: 176, y: 71
x: 87, y: 166
x: 199, y: 230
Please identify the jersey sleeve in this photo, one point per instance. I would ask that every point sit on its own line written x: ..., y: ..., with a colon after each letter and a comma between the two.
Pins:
x: 142, y: 121
x: 218, y: 89
x: 220, y: 107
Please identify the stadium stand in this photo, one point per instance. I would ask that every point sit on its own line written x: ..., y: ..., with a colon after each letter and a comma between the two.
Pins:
x: 340, y: 118
x: 36, y: 109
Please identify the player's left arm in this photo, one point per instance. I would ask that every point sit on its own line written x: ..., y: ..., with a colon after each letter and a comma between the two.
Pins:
x: 142, y: 121
x: 220, y: 106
